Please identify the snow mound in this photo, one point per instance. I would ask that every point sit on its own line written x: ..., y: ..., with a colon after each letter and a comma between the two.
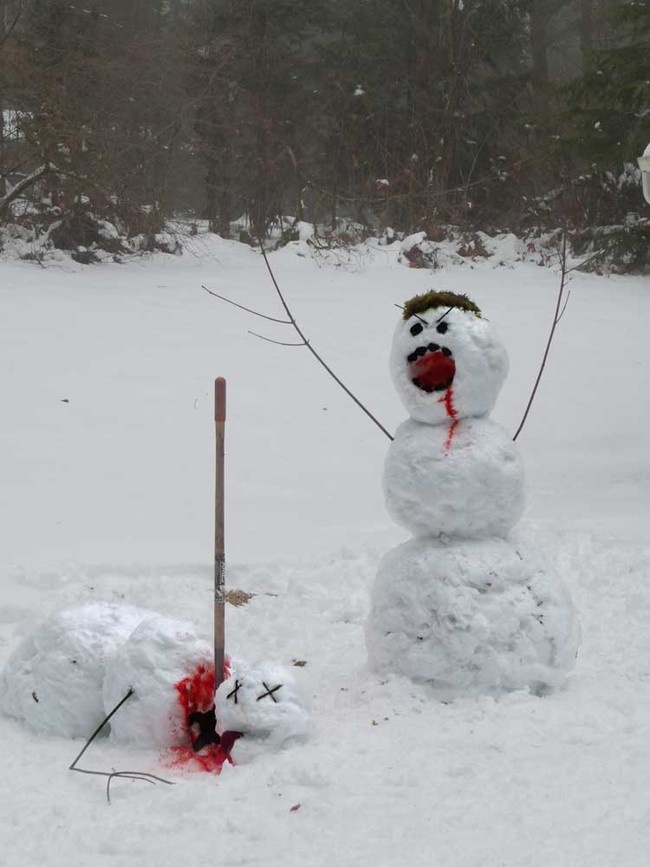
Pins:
x: 475, y: 617
x: 53, y: 680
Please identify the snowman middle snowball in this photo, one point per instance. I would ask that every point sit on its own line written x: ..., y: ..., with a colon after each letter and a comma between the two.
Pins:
x: 449, y: 471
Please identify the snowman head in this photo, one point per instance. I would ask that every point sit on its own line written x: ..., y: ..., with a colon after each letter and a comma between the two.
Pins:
x: 446, y: 362
x: 262, y: 702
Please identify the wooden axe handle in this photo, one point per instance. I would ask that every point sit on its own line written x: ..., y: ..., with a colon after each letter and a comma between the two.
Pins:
x: 220, y: 399
x: 219, y: 535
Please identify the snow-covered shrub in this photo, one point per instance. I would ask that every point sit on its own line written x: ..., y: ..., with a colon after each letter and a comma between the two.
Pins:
x: 620, y: 249
x: 417, y: 251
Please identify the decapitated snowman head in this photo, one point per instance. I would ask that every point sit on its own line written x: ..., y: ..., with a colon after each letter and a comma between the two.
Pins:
x: 262, y: 701
x: 446, y: 362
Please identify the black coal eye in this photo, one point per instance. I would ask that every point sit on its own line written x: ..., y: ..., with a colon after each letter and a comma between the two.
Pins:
x: 442, y: 328
x: 416, y: 329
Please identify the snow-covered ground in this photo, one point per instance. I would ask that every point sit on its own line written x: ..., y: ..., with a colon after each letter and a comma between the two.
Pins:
x: 106, y: 487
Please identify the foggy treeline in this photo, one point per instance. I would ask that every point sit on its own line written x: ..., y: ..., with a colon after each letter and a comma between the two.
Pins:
x: 405, y: 113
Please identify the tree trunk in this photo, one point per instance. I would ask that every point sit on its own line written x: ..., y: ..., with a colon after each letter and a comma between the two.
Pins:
x: 538, y: 46
x: 586, y: 31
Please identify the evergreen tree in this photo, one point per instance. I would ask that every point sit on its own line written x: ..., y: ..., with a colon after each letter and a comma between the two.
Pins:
x: 609, y: 129
x: 257, y: 97
x: 610, y: 104
x: 101, y: 86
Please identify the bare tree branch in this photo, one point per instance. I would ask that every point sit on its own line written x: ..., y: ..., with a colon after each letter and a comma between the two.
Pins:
x: 23, y: 185
x: 566, y: 301
x: 277, y: 342
x: 247, y: 309
x: 559, y: 313
x: 304, y: 341
x: 12, y: 26
x: 318, y: 358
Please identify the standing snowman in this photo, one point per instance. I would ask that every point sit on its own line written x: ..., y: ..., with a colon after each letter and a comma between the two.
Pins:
x: 460, y: 605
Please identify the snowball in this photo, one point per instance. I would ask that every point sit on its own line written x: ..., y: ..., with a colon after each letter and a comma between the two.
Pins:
x: 467, y: 352
x: 264, y: 703
x: 460, y: 479
x: 168, y: 665
x: 474, y: 617
x: 53, y: 680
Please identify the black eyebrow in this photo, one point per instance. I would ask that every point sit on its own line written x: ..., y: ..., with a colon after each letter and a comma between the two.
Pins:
x: 444, y: 314
x: 416, y: 315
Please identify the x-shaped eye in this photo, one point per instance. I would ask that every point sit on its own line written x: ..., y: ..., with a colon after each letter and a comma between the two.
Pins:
x: 233, y: 694
x: 269, y: 691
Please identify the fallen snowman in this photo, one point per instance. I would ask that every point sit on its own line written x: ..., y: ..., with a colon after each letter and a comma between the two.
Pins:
x: 461, y: 605
x: 75, y: 668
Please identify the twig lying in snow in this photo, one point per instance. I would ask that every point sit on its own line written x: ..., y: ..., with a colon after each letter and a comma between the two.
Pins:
x: 291, y: 320
x: 127, y: 775
x: 559, y: 313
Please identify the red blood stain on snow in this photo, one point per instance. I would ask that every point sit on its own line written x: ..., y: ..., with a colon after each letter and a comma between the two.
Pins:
x: 196, y: 694
x: 448, y: 401
x: 450, y: 435
x: 211, y: 759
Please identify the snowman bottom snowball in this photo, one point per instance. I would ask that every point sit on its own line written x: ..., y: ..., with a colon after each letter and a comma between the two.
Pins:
x: 477, y: 617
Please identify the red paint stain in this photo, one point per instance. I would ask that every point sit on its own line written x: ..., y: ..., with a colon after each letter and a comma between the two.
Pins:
x: 210, y: 760
x: 196, y: 694
x: 433, y: 370
x: 448, y: 401
x: 450, y: 435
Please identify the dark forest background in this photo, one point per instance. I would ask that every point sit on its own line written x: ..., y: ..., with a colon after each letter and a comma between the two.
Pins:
x: 414, y: 114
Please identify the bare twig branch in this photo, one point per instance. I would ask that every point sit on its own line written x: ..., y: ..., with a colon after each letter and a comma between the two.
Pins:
x: 126, y: 775
x: 277, y: 342
x: 566, y: 301
x: 559, y: 313
x: 133, y: 775
x: 584, y: 262
x: 291, y: 320
x: 27, y: 182
x: 247, y: 309
x: 12, y: 26
x: 318, y: 358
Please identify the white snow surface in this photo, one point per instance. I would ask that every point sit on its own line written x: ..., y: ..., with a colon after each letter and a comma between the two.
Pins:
x: 474, y: 616
x: 108, y: 497
x: 480, y: 359
x: 460, y: 479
